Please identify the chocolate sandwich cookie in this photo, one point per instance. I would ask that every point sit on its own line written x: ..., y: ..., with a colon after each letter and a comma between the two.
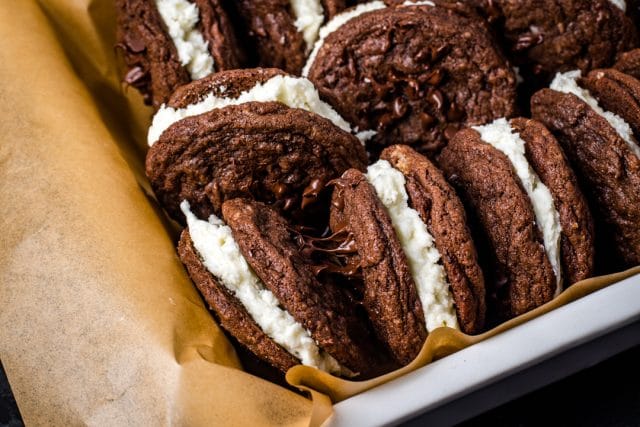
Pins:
x: 602, y: 149
x: 530, y: 215
x: 167, y: 43
x: 282, y: 32
x: 408, y: 239
x: 249, y: 271
x: 618, y: 93
x: 247, y: 133
x: 629, y: 63
x: 543, y: 37
x: 411, y: 74
x: 442, y: 212
x: 262, y: 150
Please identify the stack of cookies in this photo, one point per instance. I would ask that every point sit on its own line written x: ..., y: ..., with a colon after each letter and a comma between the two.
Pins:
x: 353, y: 175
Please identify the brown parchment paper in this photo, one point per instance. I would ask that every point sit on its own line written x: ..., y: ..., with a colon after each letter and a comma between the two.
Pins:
x: 99, y: 323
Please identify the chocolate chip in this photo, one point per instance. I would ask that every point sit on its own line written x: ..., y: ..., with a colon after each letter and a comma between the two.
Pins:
x: 279, y: 190
x: 450, y: 131
x: 454, y: 113
x: 399, y: 107
x: 526, y: 41
x: 437, y: 98
x: 134, y: 75
x: 289, y: 202
x: 384, y: 121
x: 426, y: 120
x: 435, y: 77
x: 134, y: 44
x: 437, y: 52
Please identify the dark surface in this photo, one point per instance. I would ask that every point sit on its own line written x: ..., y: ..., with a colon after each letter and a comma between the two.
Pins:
x: 9, y: 415
x: 608, y: 394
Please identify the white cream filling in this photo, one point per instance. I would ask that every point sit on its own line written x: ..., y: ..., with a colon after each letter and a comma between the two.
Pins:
x: 181, y: 18
x: 500, y: 135
x: 309, y: 16
x: 337, y: 22
x: 568, y: 83
x: 221, y: 255
x: 418, y: 245
x: 418, y: 3
x: 621, y: 4
x: 295, y: 92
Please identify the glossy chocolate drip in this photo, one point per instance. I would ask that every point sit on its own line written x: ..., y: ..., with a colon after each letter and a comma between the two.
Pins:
x: 333, y: 251
x: 312, y: 192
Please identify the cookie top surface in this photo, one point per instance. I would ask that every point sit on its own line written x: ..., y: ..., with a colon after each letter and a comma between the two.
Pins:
x: 237, y: 87
x: 520, y: 275
x: 261, y: 150
x: 606, y: 166
x: 227, y: 84
x: 413, y: 75
x: 442, y: 212
x: 389, y: 292
x: 543, y: 37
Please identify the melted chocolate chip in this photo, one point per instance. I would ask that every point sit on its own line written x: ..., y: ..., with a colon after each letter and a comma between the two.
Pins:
x: 311, y: 192
x: 332, y: 253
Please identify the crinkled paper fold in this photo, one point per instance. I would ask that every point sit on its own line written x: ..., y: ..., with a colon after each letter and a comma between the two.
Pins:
x: 100, y: 323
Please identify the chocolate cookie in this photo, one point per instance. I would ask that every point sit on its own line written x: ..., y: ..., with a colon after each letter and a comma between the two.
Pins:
x: 629, y: 63
x: 616, y: 92
x: 262, y: 150
x: 545, y: 36
x: 282, y: 32
x: 547, y: 159
x: 262, y: 291
x: 228, y: 84
x: 529, y: 213
x: 389, y: 295
x: 166, y: 44
x: 604, y: 153
x: 441, y: 211
x: 412, y: 74
x: 404, y: 231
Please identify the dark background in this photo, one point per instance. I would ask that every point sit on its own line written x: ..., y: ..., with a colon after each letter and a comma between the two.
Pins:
x: 607, y: 394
